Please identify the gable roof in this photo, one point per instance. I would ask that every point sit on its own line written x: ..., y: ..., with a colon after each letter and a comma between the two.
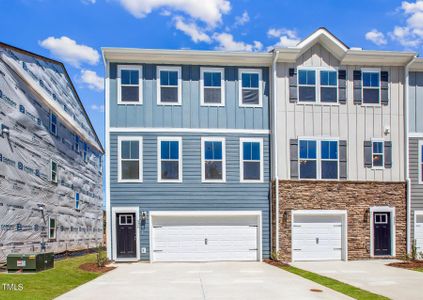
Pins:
x: 49, y: 79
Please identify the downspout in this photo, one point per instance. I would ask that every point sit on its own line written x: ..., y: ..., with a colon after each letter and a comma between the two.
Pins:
x: 275, y: 149
x: 407, y: 155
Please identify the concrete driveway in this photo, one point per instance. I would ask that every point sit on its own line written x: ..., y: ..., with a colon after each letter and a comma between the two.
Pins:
x: 185, y: 281
x: 373, y: 276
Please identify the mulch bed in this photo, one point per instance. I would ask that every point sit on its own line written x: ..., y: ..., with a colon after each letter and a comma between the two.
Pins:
x: 414, y: 264
x: 275, y: 263
x: 92, y: 267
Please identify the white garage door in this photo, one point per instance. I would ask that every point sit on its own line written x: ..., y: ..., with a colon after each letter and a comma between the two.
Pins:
x: 317, y: 237
x: 418, y: 232
x: 205, y: 238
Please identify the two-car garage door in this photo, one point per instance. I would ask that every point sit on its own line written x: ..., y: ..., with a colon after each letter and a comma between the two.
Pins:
x: 205, y: 237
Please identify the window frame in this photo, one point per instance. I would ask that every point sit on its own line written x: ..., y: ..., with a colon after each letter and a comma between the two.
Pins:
x: 51, y: 171
x: 222, y: 86
x: 371, y: 70
x: 161, y: 139
x: 420, y: 163
x: 318, y: 86
x: 51, y: 123
x: 383, y: 154
x: 260, y: 87
x: 50, y: 237
x: 179, y: 86
x: 138, y: 68
x: 318, y: 159
x: 77, y: 195
x: 203, y: 160
x: 140, y: 158
x: 241, y: 160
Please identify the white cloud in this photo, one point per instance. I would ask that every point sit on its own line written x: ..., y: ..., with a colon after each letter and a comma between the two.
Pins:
x: 243, y: 19
x: 376, y: 37
x: 92, y: 80
x: 208, y: 11
x: 226, y: 42
x: 287, y: 37
x: 68, y: 50
x: 96, y: 107
x: 191, y: 29
x: 88, y: 1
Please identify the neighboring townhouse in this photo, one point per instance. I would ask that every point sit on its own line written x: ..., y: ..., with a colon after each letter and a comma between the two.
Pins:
x: 188, y: 141
x: 415, y: 154
x: 51, y: 193
x: 340, y: 145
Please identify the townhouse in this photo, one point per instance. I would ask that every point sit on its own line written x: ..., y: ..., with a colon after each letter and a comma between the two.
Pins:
x: 188, y: 170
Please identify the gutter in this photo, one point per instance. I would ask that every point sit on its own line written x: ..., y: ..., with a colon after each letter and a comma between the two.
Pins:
x: 407, y: 154
x: 275, y: 149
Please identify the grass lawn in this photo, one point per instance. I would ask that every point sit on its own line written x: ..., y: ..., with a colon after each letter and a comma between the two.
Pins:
x: 333, y: 284
x: 49, y: 284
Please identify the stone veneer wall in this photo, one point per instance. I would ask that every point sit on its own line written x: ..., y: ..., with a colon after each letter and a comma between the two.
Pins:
x: 355, y: 197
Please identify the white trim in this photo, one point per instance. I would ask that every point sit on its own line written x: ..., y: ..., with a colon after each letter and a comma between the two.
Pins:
x: 416, y: 213
x: 203, y: 173
x: 241, y: 160
x: 420, y: 163
x: 140, y: 157
x: 342, y: 213
x: 116, y: 210
x: 51, y: 171
x: 260, y: 87
x: 222, y: 86
x: 317, y: 86
x: 378, y: 140
x: 159, y: 158
x: 415, y: 135
x: 51, y: 123
x: 326, y: 34
x: 189, y: 130
x: 119, y: 84
x: 257, y: 213
x: 55, y: 228
x: 107, y: 160
x: 371, y: 70
x: 377, y: 209
x: 169, y: 68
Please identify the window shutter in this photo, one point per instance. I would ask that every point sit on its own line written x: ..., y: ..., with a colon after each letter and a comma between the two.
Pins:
x: 388, y: 154
x: 342, y: 86
x: 293, y: 149
x: 357, y: 87
x: 293, y: 97
x: 384, y: 87
x: 343, y: 159
x: 367, y: 154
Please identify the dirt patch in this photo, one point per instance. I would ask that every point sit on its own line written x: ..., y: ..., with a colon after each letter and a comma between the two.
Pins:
x: 414, y: 264
x: 92, y: 267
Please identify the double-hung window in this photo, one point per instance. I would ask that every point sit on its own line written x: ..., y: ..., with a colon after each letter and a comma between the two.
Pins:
x: 53, y: 123
x: 378, y: 160
x: 371, y: 86
x: 129, y: 84
x: 76, y: 144
x: 169, y: 159
x: 251, y: 168
x: 250, y: 88
x: 76, y: 200
x: 212, y: 90
x: 318, y: 159
x: 130, y: 159
x: 53, y: 171
x: 329, y: 159
x: 51, y: 228
x: 85, y: 155
x: 306, y: 85
x: 308, y: 159
x: 213, y: 165
x: 420, y: 162
x: 328, y: 86
x: 169, y: 86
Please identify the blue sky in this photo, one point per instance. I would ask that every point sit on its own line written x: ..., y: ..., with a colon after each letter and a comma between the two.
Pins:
x: 73, y: 31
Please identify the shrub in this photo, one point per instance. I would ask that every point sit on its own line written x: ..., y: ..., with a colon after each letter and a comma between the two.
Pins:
x: 101, y: 256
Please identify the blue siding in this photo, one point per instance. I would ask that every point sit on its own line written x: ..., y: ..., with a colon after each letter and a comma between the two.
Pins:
x: 190, y: 114
x: 191, y: 194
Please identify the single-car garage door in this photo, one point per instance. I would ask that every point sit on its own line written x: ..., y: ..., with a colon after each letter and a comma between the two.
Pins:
x: 205, y: 237
x: 317, y: 237
x: 418, y: 231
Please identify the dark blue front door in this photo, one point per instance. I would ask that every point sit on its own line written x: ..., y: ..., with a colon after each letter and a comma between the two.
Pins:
x: 382, y: 233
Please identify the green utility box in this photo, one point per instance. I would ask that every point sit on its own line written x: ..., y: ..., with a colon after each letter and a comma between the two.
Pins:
x: 30, y: 262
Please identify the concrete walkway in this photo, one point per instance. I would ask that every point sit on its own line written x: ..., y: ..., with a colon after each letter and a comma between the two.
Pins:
x: 373, y: 276
x: 185, y: 281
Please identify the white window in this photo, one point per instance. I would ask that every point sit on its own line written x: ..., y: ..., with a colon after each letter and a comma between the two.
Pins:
x: 250, y: 88
x: 378, y: 157
x: 371, y: 86
x: 318, y: 159
x: 76, y: 144
x: 169, y: 159
x: 129, y: 84
x: 420, y: 161
x: 52, y: 228
x: 251, y: 159
x: 317, y: 85
x: 169, y: 91
x: 212, y: 87
x: 53, y: 171
x: 130, y: 159
x: 126, y: 220
x: 53, y: 123
x: 213, y: 159
x: 76, y: 200
x: 85, y: 152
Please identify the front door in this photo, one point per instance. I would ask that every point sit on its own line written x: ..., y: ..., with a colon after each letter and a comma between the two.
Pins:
x: 126, y: 235
x: 382, y: 233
